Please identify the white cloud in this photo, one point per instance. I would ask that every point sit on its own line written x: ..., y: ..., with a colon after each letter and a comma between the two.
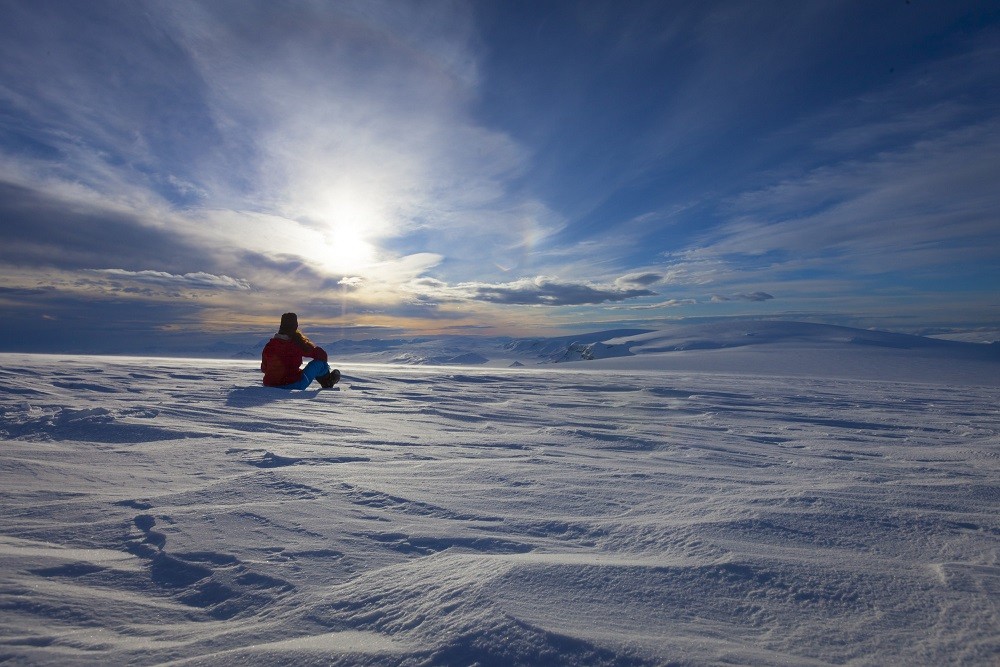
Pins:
x: 539, y: 291
x: 669, y: 303
x: 643, y: 279
x: 196, y: 280
x: 742, y: 296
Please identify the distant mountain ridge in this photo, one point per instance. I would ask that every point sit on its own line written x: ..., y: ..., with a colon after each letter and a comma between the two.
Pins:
x: 736, y: 346
x: 618, y: 343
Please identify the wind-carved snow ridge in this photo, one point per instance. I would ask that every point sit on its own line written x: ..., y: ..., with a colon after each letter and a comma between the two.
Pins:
x: 159, y: 511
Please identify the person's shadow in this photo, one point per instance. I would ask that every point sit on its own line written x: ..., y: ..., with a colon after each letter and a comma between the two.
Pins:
x: 248, y: 397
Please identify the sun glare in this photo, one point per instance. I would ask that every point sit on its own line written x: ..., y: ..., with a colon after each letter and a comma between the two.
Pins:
x: 348, y: 248
x: 349, y: 224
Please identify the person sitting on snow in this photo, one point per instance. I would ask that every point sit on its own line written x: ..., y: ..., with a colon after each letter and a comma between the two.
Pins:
x: 283, y: 354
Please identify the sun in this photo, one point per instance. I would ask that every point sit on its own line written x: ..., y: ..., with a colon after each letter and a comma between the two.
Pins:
x: 348, y: 249
x: 348, y: 225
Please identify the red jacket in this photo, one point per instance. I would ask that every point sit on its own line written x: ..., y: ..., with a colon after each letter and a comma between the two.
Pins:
x: 282, y: 357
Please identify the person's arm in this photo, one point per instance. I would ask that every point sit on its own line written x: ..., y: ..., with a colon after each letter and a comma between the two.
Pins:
x: 309, y: 349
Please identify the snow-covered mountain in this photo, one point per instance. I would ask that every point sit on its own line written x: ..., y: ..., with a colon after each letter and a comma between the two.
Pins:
x: 769, y: 347
x: 470, y: 350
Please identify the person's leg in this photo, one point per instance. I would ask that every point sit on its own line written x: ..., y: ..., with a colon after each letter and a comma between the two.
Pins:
x: 313, y: 369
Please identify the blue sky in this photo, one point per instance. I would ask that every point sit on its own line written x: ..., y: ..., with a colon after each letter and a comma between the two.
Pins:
x: 172, y: 169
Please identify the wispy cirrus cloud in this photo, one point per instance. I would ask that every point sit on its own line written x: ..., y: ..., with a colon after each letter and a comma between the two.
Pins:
x: 196, y: 280
x: 669, y: 303
x: 923, y: 211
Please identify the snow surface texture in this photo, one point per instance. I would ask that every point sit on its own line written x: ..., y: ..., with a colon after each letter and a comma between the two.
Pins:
x: 167, y: 510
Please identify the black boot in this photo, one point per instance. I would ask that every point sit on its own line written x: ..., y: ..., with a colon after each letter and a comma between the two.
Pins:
x: 327, y: 381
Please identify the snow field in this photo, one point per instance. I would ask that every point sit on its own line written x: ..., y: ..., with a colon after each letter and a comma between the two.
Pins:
x: 160, y: 511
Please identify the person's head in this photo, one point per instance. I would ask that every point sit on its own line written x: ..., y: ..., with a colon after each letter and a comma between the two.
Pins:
x: 289, y: 323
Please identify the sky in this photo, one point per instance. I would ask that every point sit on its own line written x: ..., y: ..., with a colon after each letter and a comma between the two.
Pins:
x: 172, y: 170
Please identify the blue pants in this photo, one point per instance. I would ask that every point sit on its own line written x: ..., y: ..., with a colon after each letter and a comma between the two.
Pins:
x: 313, y: 370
